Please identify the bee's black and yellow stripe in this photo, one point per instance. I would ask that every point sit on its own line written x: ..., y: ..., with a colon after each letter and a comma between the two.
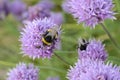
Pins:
x: 45, y: 42
x: 49, y: 36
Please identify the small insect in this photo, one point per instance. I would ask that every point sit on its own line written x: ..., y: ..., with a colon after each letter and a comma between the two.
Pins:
x: 50, y: 36
x: 83, y: 44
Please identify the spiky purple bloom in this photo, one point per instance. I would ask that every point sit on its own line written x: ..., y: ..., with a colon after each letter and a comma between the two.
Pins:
x: 91, y: 12
x: 23, y: 72
x: 65, y: 8
x: 31, y: 38
x: 17, y: 8
x: 57, y: 18
x: 88, y: 69
x: 53, y: 78
x: 92, y: 49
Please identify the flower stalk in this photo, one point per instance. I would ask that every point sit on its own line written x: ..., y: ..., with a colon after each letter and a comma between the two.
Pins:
x: 110, y: 36
x: 67, y: 63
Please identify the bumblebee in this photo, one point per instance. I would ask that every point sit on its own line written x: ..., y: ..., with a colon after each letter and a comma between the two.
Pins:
x: 50, y: 36
x: 83, y: 44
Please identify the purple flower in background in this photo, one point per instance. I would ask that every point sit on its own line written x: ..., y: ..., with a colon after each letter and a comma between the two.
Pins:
x: 87, y: 69
x: 42, y: 10
x: 91, y: 12
x: 92, y: 49
x: 39, y: 38
x: 57, y: 18
x: 46, y: 4
x: 4, y: 8
x: 18, y: 8
x: 37, y: 12
x: 23, y: 72
x: 53, y: 78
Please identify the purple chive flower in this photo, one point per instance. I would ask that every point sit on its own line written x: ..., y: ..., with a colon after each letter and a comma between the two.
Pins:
x: 65, y: 8
x: 32, y: 37
x: 18, y: 8
x: 92, y: 49
x: 87, y: 69
x: 91, y: 12
x: 4, y: 8
x: 23, y: 72
x: 37, y: 12
x: 40, y: 10
x: 46, y: 4
x: 53, y: 78
x: 57, y: 18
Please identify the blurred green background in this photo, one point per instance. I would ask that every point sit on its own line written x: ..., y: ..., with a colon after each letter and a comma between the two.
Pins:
x: 10, y: 45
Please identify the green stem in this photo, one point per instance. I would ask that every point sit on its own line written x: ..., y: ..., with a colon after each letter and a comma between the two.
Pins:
x: 62, y: 59
x: 67, y: 52
x: 52, y: 68
x: 41, y: 67
x: 7, y: 63
x: 111, y: 38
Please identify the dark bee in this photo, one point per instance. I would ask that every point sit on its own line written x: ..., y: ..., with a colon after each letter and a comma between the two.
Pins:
x: 83, y: 44
x: 50, y: 36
